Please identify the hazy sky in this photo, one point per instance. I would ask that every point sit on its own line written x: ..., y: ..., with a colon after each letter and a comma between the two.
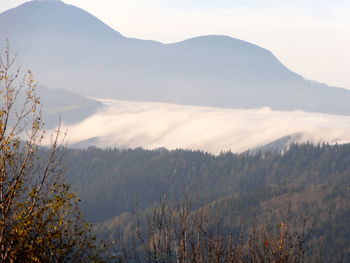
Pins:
x: 311, y: 37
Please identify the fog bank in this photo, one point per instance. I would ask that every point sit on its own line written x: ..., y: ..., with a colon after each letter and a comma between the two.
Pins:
x: 155, y: 125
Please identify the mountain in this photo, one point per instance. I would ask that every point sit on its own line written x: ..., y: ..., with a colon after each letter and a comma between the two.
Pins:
x: 68, y: 106
x: 72, y: 108
x: 281, y: 144
x: 69, y: 48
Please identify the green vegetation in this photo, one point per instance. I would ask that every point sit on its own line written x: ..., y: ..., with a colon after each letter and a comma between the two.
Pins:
x: 254, y: 207
x: 39, y: 218
x: 306, y: 182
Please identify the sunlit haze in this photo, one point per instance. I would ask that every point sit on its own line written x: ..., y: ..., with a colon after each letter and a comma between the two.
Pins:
x: 131, y: 124
x: 310, y: 37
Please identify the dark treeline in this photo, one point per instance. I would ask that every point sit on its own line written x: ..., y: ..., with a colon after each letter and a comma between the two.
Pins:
x: 307, y: 181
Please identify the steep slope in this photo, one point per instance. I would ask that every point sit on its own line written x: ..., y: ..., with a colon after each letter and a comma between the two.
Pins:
x: 69, y: 48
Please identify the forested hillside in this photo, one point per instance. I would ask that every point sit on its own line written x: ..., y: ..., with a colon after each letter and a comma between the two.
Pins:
x: 306, y: 182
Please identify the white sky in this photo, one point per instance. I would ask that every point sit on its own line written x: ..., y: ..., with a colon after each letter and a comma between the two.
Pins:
x: 311, y: 37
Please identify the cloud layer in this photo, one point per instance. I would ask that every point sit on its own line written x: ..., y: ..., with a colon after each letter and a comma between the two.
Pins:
x: 155, y: 125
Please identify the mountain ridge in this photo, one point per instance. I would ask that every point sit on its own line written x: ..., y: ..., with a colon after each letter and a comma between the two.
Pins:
x: 88, y: 57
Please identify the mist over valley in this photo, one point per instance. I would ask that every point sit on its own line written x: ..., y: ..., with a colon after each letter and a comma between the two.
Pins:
x: 209, y: 149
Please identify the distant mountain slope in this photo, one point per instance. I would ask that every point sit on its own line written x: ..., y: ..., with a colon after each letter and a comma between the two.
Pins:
x: 70, y: 107
x: 281, y: 144
x: 69, y: 48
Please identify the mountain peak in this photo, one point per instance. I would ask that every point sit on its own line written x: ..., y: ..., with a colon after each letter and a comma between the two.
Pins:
x: 47, y: 1
x: 220, y: 41
x: 55, y: 19
x: 38, y: 2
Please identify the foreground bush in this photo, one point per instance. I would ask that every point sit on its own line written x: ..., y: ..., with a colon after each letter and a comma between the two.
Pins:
x: 39, y: 218
x: 176, y: 233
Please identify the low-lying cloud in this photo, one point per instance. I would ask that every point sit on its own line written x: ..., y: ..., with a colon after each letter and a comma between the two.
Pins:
x: 155, y: 125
